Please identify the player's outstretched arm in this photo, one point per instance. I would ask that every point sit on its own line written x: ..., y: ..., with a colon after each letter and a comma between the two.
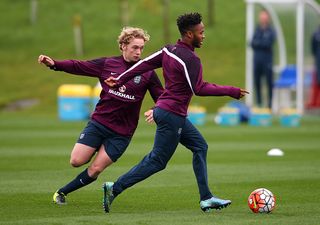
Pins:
x: 46, y: 60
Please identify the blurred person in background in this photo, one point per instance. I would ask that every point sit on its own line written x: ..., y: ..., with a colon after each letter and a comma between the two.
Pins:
x: 262, y: 44
x: 116, y: 115
x: 314, y: 101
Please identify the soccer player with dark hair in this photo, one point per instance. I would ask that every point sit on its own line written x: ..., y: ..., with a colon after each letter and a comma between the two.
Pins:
x: 116, y: 115
x: 182, y: 71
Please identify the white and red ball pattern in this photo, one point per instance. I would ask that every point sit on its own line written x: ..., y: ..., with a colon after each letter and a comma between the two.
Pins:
x: 261, y: 200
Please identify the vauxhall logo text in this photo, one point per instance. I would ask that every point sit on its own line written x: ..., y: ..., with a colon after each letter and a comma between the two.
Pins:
x: 122, y: 95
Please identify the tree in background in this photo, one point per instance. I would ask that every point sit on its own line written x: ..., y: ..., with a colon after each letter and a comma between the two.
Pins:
x: 211, y: 13
x: 166, y: 21
x: 124, y: 12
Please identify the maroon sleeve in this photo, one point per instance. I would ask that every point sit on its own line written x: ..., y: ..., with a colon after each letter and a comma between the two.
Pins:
x: 155, y: 87
x: 208, y: 89
x: 202, y: 88
x: 91, y: 68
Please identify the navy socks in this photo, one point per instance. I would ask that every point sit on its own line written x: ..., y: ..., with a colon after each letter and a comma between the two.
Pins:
x: 80, y: 181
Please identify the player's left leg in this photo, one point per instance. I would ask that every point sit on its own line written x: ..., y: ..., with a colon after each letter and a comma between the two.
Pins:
x: 193, y: 140
x: 81, y: 154
x: 100, y: 162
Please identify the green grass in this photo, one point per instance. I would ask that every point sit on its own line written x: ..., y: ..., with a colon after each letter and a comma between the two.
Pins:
x: 35, y: 146
x: 34, y: 162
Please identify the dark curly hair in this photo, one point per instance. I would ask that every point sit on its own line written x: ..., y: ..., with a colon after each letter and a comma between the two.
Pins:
x: 186, y: 21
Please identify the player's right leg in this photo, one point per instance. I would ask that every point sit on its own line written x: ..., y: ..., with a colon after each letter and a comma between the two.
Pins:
x: 80, y: 155
x: 90, y: 139
x: 167, y: 138
x: 59, y: 198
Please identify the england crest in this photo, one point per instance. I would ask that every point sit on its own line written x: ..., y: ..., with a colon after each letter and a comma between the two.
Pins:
x: 137, y: 79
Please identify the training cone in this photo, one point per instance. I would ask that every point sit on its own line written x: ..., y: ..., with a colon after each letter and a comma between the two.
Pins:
x: 275, y: 152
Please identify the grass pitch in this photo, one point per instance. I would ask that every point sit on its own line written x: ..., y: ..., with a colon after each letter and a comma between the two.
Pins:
x: 34, y: 162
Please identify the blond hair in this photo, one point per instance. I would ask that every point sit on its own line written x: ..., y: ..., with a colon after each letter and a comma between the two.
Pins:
x: 128, y: 33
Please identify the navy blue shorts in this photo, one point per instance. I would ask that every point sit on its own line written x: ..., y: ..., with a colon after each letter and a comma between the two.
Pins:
x: 96, y: 134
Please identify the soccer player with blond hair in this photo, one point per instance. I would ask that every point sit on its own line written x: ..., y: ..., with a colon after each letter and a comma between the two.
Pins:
x: 116, y: 115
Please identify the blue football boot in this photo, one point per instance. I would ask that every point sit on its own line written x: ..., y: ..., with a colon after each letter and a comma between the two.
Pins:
x: 107, y: 196
x: 214, y: 203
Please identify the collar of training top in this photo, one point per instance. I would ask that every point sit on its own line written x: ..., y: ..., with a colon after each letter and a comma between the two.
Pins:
x: 179, y: 42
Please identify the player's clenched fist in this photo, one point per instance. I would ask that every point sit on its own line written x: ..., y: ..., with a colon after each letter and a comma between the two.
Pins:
x: 46, y: 60
x: 111, y: 81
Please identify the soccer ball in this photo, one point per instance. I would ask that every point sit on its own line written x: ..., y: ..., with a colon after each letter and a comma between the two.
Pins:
x: 261, y: 201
